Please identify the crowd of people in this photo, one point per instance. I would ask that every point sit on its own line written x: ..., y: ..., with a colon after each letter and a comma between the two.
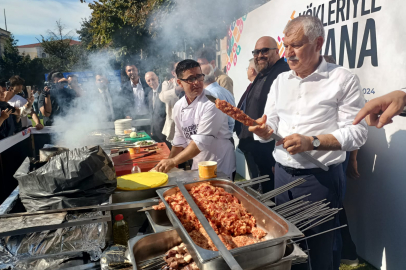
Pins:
x: 313, y: 104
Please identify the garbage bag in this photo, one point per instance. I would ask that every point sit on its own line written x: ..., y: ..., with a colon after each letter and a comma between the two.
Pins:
x: 80, y: 177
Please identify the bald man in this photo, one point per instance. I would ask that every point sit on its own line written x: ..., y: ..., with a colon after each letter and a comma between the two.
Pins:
x: 268, y: 65
x: 156, y: 107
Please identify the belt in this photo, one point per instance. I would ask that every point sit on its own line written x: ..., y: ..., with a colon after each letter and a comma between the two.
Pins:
x: 294, y: 171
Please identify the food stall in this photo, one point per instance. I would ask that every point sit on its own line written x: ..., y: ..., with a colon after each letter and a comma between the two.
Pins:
x: 268, y: 239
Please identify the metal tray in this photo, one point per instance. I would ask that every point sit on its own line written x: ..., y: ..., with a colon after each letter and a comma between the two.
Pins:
x: 159, y: 220
x: 249, y: 257
x: 152, y: 245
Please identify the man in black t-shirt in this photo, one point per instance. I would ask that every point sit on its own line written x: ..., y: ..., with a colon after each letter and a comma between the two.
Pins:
x: 55, y: 99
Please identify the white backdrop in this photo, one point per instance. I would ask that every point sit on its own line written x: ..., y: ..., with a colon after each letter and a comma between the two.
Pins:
x: 375, y: 203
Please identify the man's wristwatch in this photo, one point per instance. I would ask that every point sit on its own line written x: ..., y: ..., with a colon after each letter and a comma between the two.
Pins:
x: 316, y: 143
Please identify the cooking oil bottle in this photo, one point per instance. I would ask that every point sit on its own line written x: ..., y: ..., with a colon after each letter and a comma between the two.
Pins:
x: 120, y: 231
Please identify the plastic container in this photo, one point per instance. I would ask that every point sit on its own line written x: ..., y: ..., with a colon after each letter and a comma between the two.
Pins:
x: 136, y: 169
x: 121, y: 233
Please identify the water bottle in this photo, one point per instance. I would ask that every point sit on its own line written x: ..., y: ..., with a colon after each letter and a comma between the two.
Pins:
x: 135, y: 169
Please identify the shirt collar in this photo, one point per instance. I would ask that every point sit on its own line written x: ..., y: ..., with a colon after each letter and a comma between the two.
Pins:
x: 212, y: 85
x: 156, y: 90
x: 322, y: 70
x: 194, y: 102
x: 132, y: 84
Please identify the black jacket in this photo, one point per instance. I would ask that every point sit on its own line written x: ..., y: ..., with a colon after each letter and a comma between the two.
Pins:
x: 158, y: 114
x: 258, y: 95
x: 128, y: 94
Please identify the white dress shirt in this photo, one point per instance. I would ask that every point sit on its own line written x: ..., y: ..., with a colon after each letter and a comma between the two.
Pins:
x: 207, y: 126
x: 139, y: 98
x: 154, y: 96
x: 325, y: 102
x: 223, y: 94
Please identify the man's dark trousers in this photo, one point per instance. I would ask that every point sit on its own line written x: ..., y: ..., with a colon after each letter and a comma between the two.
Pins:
x: 259, y: 159
x: 322, y: 185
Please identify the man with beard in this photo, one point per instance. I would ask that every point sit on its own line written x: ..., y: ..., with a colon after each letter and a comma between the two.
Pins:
x: 269, y: 65
x: 201, y: 130
x: 136, y: 92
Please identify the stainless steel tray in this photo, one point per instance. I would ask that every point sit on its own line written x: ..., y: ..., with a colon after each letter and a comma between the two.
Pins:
x: 152, y: 245
x: 249, y: 257
x: 158, y: 220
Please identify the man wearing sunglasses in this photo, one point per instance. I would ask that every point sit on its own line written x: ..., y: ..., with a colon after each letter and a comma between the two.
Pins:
x: 201, y: 130
x: 268, y: 65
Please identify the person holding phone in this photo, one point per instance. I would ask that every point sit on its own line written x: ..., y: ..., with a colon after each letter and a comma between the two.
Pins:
x: 56, y: 98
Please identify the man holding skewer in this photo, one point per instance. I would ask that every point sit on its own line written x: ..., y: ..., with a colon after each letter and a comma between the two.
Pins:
x: 312, y: 108
x: 201, y: 130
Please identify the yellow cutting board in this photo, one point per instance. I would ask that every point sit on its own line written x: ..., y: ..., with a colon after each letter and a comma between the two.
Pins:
x: 140, y: 181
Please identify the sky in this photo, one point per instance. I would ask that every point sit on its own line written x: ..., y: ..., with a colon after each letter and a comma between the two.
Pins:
x: 27, y: 20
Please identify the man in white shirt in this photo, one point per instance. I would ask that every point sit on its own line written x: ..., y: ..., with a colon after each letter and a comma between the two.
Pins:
x: 201, y: 130
x: 312, y: 107
x: 136, y: 92
x: 217, y: 91
x: 156, y: 107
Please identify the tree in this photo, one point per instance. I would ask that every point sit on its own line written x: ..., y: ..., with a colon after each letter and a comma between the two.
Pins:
x: 63, y: 56
x: 12, y: 63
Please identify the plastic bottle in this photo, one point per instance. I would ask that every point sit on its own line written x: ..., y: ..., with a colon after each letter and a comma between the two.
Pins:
x: 136, y: 169
x: 121, y: 234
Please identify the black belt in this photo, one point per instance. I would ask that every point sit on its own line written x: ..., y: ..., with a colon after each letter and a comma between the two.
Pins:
x: 294, y: 171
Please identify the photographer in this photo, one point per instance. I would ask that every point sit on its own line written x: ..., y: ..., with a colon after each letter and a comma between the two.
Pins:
x: 56, y: 98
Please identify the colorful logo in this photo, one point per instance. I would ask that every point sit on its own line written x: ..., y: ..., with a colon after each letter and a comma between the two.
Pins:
x: 234, y: 36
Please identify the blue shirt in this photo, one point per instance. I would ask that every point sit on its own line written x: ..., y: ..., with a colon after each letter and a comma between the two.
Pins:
x: 223, y: 94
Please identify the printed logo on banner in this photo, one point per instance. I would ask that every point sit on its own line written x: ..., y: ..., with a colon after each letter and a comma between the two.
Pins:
x: 234, y: 36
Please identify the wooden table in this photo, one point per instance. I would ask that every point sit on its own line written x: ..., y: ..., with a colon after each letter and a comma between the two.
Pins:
x: 145, y: 163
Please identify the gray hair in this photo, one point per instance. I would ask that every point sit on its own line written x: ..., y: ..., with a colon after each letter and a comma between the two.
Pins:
x: 210, y: 78
x: 312, y: 26
x: 252, y: 64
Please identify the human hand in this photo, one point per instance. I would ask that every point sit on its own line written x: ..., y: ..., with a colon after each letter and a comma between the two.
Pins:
x: 165, y: 165
x: 47, y: 89
x: 262, y: 129
x: 30, y: 100
x: 296, y: 143
x: 352, y: 169
x: 5, y: 114
x: 39, y: 126
x: 388, y: 106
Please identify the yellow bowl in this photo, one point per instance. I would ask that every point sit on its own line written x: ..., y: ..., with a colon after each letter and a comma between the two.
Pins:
x: 207, y: 169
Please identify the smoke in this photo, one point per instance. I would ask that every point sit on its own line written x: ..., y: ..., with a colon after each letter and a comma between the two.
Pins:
x: 184, y: 29
x: 88, y: 113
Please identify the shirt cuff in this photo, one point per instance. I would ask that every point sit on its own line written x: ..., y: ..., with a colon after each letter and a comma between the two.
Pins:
x: 203, y: 142
x: 179, y: 142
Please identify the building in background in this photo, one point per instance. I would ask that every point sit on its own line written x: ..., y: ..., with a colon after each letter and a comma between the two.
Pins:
x: 3, y: 37
x: 36, y: 51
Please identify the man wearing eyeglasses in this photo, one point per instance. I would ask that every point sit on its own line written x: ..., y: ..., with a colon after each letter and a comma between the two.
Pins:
x: 269, y: 65
x: 201, y: 130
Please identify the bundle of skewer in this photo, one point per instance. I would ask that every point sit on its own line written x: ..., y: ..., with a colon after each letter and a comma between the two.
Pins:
x: 151, y: 264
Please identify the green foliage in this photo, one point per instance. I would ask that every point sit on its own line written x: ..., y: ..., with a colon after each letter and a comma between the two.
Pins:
x: 12, y: 63
x: 63, y: 56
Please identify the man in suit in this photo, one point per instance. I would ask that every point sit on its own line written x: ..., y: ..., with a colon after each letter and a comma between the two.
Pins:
x: 136, y: 91
x: 269, y: 65
x: 208, y: 56
x: 156, y: 107
x: 108, y: 98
